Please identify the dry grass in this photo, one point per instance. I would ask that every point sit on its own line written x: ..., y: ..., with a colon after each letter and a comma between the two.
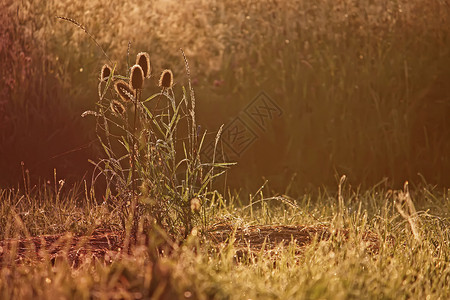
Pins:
x: 326, y: 258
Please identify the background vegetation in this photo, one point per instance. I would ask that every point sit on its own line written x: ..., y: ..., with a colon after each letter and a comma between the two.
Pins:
x: 362, y: 84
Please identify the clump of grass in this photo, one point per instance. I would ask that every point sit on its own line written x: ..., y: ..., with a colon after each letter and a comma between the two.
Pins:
x: 53, y: 208
x: 141, y: 167
x: 145, y: 174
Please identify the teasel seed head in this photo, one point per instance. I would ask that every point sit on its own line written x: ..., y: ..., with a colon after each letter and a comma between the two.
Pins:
x: 105, y: 72
x: 143, y: 59
x: 117, y: 108
x: 125, y: 92
x: 166, y: 79
x: 136, y: 77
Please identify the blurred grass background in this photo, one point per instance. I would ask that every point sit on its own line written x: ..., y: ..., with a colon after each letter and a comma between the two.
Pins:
x: 363, y: 85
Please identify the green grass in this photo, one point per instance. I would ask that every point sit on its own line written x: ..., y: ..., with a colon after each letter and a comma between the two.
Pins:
x: 404, y: 267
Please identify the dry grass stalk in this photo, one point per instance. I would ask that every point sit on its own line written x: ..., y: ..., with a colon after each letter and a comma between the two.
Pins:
x: 410, y: 214
x: 87, y: 32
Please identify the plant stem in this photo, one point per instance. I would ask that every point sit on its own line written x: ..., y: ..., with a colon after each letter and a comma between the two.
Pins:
x: 132, y: 218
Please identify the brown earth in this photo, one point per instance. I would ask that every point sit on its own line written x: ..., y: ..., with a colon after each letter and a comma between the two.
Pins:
x: 253, y: 239
x: 104, y: 245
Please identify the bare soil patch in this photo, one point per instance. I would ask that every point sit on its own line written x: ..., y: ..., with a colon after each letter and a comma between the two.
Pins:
x: 98, y: 245
x: 105, y: 244
x: 252, y: 239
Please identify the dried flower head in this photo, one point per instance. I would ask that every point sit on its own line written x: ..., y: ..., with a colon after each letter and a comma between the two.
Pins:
x: 143, y: 59
x: 166, y: 79
x: 117, y: 108
x: 105, y: 72
x: 125, y: 92
x: 195, y: 204
x: 136, y: 77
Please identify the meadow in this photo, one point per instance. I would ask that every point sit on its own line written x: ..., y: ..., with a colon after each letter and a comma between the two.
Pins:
x: 408, y: 257
x: 117, y: 184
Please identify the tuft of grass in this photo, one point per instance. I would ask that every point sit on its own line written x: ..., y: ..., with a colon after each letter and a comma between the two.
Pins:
x: 145, y: 173
x: 53, y: 208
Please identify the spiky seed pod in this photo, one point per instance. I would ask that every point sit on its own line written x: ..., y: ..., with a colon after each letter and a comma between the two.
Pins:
x: 105, y: 72
x: 125, y: 92
x: 143, y: 59
x: 166, y: 79
x: 117, y: 108
x: 136, y: 77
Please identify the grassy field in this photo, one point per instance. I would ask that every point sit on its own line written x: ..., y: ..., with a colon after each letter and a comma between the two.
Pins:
x: 403, y: 264
x: 118, y: 180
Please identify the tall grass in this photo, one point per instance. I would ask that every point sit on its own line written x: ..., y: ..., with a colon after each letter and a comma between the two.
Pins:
x: 39, y: 118
x: 362, y: 84
x: 141, y: 136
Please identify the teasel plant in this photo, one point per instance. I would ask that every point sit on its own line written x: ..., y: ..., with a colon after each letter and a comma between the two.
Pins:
x: 155, y: 176
x: 144, y: 169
